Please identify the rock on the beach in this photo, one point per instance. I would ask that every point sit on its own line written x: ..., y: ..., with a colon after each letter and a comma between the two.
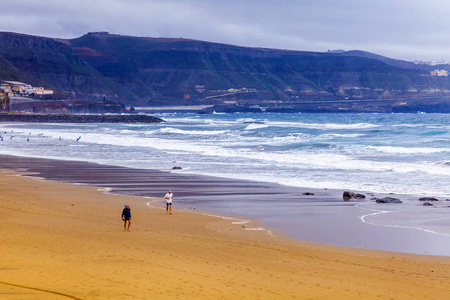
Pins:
x: 388, y: 200
x: 350, y: 195
x: 428, y: 199
x: 177, y: 168
x: 427, y: 204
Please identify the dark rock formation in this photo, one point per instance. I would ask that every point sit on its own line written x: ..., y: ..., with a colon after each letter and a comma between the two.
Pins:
x: 71, y: 118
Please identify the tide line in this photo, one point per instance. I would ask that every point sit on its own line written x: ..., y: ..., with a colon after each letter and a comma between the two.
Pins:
x: 235, y: 222
x: 379, y: 212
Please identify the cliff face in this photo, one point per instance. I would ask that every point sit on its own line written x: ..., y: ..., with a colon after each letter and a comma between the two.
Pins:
x: 157, y: 71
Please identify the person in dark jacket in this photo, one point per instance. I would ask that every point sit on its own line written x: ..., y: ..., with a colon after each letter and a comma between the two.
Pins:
x: 126, y: 217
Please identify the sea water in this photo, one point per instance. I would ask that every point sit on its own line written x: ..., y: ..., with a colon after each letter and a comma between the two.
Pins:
x: 380, y: 153
x: 389, y: 153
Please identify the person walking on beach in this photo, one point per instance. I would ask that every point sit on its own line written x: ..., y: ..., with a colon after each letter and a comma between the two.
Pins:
x: 126, y: 217
x: 169, y: 200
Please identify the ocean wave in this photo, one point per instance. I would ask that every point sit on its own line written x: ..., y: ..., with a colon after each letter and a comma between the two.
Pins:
x: 422, y: 125
x: 192, y: 132
x: 254, y: 126
x: 292, y: 138
x: 251, y: 120
x: 325, y: 126
x: 405, y: 150
x: 196, y: 121
x: 336, y: 135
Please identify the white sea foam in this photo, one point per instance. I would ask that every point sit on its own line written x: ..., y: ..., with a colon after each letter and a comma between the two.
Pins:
x: 423, y: 125
x: 336, y: 135
x: 407, y: 217
x: 292, y: 138
x: 406, y: 150
x: 254, y: 126
x: 193, y: 132
x: 325, y: 126
x: 105, y: 190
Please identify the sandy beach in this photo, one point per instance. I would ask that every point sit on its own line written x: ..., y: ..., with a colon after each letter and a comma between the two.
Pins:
x: 62, y: 241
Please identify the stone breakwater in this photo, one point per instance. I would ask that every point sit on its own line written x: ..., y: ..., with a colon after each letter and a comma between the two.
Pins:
x: 72, y: 118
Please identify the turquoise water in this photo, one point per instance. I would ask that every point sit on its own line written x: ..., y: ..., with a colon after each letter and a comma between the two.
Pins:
x: 398, y: 153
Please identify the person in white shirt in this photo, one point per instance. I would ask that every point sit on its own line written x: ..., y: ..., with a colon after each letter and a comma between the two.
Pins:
x: 169, y: 200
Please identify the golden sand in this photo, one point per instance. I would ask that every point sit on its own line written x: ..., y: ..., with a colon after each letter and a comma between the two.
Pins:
x: 61, y: 241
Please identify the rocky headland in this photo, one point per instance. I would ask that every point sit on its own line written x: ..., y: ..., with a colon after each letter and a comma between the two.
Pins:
x: 74, y: 118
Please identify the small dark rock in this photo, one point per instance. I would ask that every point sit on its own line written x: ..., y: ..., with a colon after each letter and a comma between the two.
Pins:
x: 308, y: 193
x: 388, y: 200
x: 177, y: 168
x: 350, y: 195
x: 428, y: 199
x: 427, y: 204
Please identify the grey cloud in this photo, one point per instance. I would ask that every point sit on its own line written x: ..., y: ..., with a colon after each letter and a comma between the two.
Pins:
x: 404, y: 29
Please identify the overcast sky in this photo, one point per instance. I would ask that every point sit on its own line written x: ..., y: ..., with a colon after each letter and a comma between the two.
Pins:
x: 401, y: 29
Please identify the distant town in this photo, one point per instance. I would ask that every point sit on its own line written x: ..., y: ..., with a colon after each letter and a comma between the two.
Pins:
x: 439, y: 73
x: 430, y: 63
x: 20, y: 89
x: 15, y: 89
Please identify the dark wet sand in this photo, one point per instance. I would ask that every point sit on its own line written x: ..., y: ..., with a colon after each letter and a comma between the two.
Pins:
x: 141, y: 182
x: 321, y: 218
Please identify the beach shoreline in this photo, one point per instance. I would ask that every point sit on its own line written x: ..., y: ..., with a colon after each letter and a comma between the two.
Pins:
x: 314, y: 215
x: 63, y: 240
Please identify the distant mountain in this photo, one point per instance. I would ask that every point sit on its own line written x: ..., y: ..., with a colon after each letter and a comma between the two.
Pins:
x: 389, y: 61
x: 160, y: 71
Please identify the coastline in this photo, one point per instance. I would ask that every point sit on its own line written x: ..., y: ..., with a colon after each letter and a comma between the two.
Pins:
x: 65, y: 241
x: 323, y: 218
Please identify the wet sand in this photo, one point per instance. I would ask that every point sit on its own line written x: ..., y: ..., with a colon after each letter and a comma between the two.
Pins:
x: 63, y: 241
